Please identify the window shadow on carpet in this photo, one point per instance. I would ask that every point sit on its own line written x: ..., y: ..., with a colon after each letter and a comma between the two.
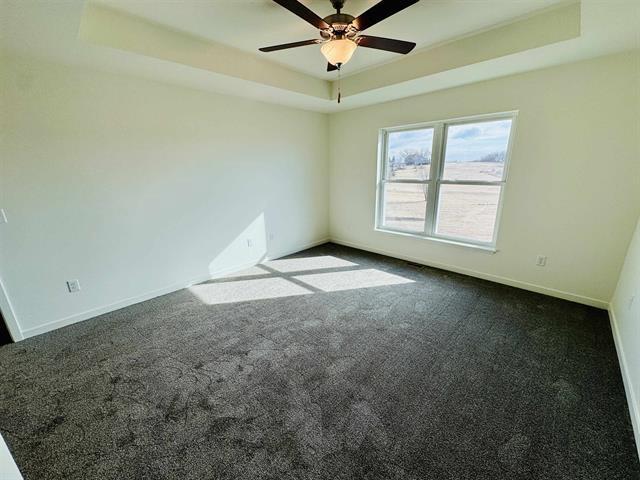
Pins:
x: 291, y: 277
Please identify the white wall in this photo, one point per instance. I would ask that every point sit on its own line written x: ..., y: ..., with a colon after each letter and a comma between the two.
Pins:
x: 625, y: 320
x: 573, y: 191
x: 8, y: 466
x: 137, y: 188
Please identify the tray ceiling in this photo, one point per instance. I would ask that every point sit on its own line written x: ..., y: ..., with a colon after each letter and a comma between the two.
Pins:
x: 251, y: 24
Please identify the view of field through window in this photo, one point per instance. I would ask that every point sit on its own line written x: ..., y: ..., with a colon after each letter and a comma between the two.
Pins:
x: 474, y: 152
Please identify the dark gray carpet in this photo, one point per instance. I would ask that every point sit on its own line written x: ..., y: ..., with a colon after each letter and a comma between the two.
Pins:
x: 446, y: 377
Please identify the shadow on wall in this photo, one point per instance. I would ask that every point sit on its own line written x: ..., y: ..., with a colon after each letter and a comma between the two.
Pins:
x: 291, y: 277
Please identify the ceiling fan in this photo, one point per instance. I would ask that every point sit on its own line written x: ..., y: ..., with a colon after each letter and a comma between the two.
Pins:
x: 340, y: 33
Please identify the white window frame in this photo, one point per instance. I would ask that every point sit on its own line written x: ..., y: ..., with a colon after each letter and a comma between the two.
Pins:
x: 438, y: 152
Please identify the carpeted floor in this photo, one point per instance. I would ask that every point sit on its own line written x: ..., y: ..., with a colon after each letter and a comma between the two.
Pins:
x: 420, y: 374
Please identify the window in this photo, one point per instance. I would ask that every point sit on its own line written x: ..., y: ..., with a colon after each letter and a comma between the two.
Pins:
x: 445, y: 179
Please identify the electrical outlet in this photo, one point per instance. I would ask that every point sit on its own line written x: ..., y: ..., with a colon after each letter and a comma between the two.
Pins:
x: 73, y: 286
x: 541, y: 260
x: 249, y: 242
x: 3, y: 216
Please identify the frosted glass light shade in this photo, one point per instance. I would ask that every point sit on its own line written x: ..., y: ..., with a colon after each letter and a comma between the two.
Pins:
x: 338, y: 51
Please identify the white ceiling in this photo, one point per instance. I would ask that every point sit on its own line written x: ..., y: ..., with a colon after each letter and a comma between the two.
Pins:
x: 251, y: 24
x: 48, y: 29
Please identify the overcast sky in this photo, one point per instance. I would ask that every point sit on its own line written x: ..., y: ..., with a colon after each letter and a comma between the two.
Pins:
x: 465, y: 142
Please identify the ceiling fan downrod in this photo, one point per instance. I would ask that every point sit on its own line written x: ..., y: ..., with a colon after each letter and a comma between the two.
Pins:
x: 338, y: 4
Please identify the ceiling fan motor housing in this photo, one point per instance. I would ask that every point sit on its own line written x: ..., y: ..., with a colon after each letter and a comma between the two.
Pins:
x: 341, y: 26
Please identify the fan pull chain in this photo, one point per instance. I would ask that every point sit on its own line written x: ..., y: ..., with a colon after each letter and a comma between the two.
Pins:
x: 339, y: 83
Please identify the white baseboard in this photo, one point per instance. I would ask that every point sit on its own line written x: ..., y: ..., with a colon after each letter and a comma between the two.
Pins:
x: 9, y: 315
x: 184, y: 284
x: 634, y: 407
x: 593, y: 302
x: 94, y: 312
x: 291, y: 251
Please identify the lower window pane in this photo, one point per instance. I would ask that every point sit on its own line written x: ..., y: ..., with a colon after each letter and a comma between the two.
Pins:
x: 405, y: 206
x: 468, y: 211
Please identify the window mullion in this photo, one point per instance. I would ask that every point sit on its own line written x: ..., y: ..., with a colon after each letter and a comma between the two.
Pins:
x: 382, y: 177
x: 434, y: 176
x: 381, y: 204
x: 408, y: 182
x: 473, y: 182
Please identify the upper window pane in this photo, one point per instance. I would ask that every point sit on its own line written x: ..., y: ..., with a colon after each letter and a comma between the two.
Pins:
x: 476, y: 151
x: 409, y: 154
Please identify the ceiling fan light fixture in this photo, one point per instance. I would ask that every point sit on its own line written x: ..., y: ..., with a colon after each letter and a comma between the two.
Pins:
x: 338, y: 51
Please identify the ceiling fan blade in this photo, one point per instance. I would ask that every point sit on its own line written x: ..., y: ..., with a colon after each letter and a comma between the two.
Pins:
x: 290, y: 45
x: 295, y: 7
x: 388, y: 44
x: 380, y: 11
x: 331, y: 67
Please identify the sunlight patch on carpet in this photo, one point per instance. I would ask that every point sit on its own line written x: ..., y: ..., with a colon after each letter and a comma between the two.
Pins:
x: 352, y: 280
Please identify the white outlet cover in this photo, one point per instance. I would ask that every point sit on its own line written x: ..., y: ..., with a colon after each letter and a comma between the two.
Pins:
x: 73, y: 286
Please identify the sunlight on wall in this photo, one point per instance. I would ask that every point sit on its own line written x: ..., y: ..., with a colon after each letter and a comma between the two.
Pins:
x: 352, y: 279
x: 248, y: 247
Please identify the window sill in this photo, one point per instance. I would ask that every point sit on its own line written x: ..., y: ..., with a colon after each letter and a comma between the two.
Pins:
x: 474, y: 246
